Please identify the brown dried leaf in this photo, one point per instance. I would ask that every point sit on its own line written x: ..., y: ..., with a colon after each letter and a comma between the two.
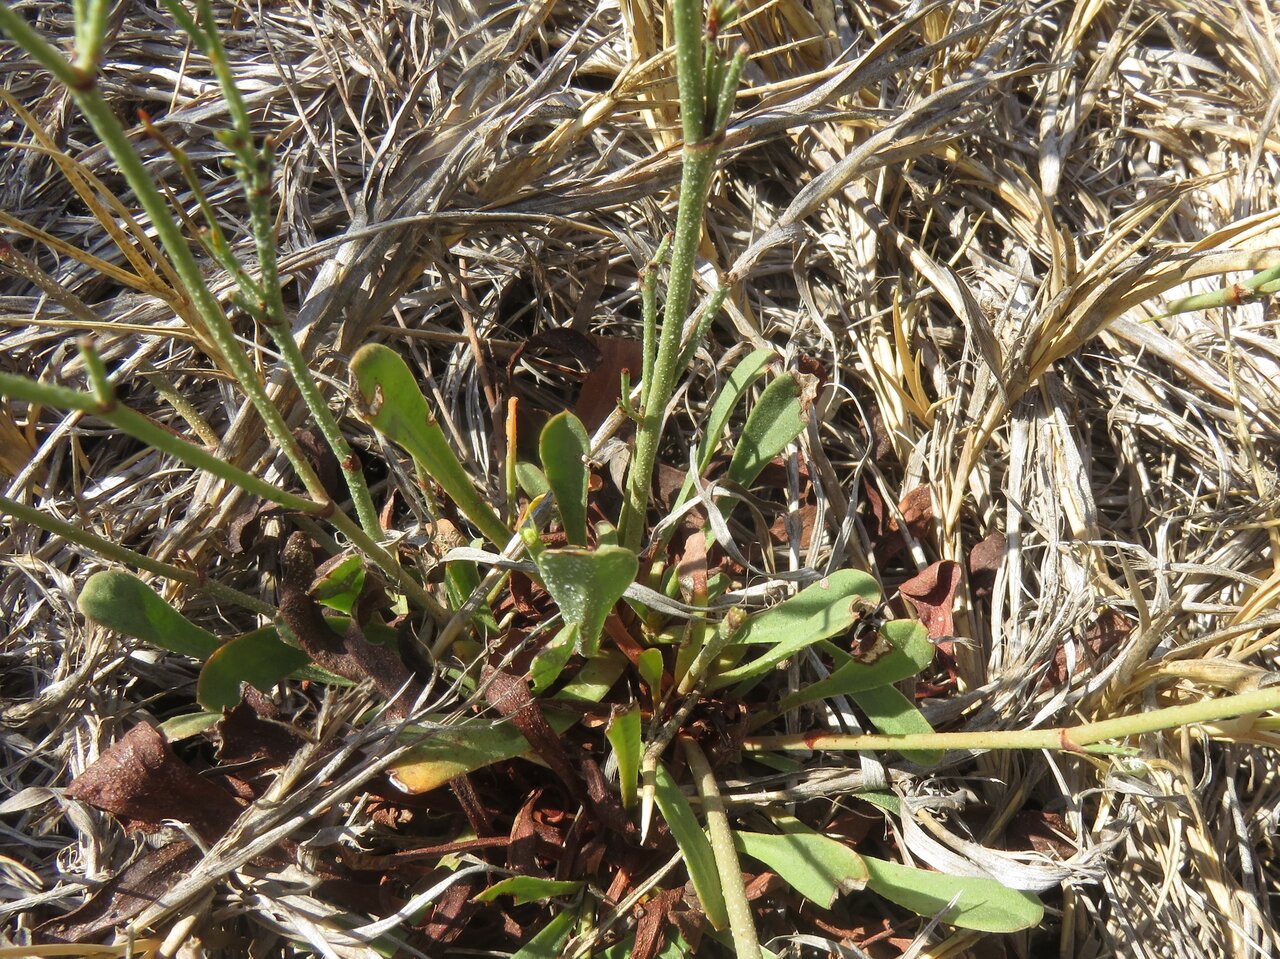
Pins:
x: 15, y: 451
x: 247, y: 737
x: 932, y: 592
x: 140, y: 781
x: 917, y: 511
x: 510, y: 696
x: 651, y: 924
x: 135, y: 887
x: 984, y: 561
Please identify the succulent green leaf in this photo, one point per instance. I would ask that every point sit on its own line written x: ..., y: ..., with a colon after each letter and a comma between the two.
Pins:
x: 694, y: 844
x: 819, y: 611
x: 649, y: 665
x: 529, y: 889
x: 624, y: 736
x: 596, y: 677
x: 178, y: 728
x: 889, y: 802
x: 564, y: 447
x: 550, y: 939
x: 340, y: 587
x: 468, y: 746
x: 258, y: 658
x: 585, y: 585
x: 910, y: 652
x: 394, y: 406
x: 551, y: 660
x: 750, y: 369
x: 463, y: 748
x: 895, y: 715
x: 818, y: 867
x: 532, y: 480
x: 776, y: 420
x: 120, y: 601
x: 983, y: 904
x: 461, y: 579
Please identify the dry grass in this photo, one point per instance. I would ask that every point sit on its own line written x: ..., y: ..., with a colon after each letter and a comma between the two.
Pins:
x: 970, y: 217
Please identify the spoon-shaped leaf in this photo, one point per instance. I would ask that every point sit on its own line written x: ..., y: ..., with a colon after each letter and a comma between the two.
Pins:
x: 775, y: 420
x: 395, y: 407
x: 895, y: 715
x: 750, y: 369
x: 564, y: 446
x: 550, y: 661
x: 258, y: 658
x: 468, y: 746
x: 819, y: 611
x: 120, y: 601
x: 983, y: 904
x: 585, y: 585
x: 817, y: 866
x: 693, y: 842
x: 910, y: 651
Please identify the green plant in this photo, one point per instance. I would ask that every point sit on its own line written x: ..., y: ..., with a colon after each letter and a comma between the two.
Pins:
x: 669, y: 649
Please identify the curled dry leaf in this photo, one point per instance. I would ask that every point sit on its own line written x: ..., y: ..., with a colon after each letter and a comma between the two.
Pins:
x: 932, y: 593
x: 140, y: 781
x: 984, y: 561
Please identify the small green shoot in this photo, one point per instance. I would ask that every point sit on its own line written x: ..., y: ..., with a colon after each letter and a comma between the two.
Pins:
x: 564, y: 447
x: 693, y: 842
x: 623, y: 733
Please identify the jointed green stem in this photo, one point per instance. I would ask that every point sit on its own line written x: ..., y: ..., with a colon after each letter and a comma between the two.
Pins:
x: 708, y: 87
x: 1067, y: 738
x: 255, y: 169
x: 121, y: 554
x: 156, y: 436
x: 699, y: 164
x: 83, y: 88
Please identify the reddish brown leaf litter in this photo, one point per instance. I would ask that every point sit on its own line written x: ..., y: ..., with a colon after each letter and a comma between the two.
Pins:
x: 135, y: 887
x: 140, y: 781
x: 932, y: 594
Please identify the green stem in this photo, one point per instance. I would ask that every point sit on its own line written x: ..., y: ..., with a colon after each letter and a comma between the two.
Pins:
x: 733, y: 621
x: 96, y: 372
x: 156, y: 436
x: 699, y: 163
x: 91, y: 23
x: 1067, y: 738
x: 1261, y: 284
x: 704, y: 112
x: 127, y: 557
x: 181, y: 405
x: 649, y: 310
x: 687, y: 21
x: 746, y: 944
x: 83, y: 88
x: 255, y: 168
